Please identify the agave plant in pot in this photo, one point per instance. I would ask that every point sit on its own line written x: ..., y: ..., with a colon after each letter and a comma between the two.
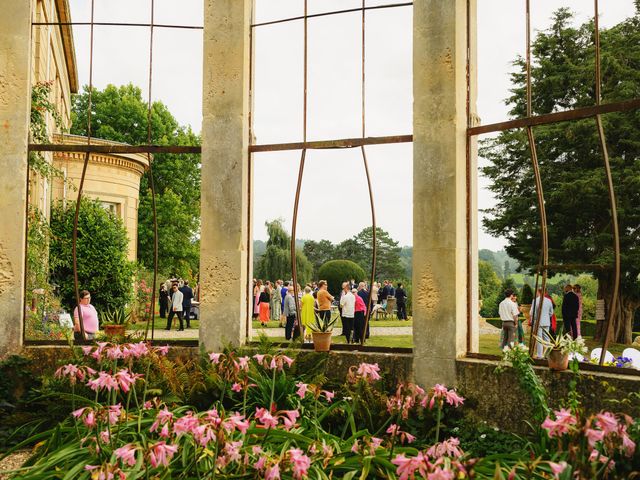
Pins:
x: 560, y: 347
x: 321, y: 330
x: 115, y: 322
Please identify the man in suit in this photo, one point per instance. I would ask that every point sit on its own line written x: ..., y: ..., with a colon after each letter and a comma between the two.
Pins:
x: 570, y: 307
x: 187, y: 296
x: 401, y: 302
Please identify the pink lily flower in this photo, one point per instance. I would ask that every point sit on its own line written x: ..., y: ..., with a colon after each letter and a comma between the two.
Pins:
x: 300, y: 463
x: 302, y: 389
x: 161, y: 454
x: 265, y: 418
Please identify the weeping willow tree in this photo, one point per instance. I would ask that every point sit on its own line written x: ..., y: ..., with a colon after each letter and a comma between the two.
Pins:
x: 275, y: 263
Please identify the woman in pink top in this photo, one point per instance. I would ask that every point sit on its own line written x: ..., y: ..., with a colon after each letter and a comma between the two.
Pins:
x: 358, y: 317
x: 89, y: 316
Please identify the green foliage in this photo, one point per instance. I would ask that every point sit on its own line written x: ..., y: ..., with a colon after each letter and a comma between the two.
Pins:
x: 570, y: 158
x: 275, y: 263
x: 102, y: 247
x: 42, y: 108
x: 120, y: 114
x: 360, y: 249
x: 116, y: 316
x: 323, y: 324
x: 337, y: 271
x: 526, y: 297
x: 319, y: 253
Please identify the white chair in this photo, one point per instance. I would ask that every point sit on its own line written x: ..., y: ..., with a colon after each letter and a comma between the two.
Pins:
x: 634, y: 355
x: 597, y: 352
x: 578, y: 356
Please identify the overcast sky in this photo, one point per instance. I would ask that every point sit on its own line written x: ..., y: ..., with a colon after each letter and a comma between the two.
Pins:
x: 334, y: 202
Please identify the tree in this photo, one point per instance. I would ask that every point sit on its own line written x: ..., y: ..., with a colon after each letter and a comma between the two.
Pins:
x: 489, y: 288
x: 571, y: 164
x: 319, y: 253
x: 120, y: 114
x: 103, y: 267
x: 275, y: 263
x: 359, y: 249
x: 335, y: 272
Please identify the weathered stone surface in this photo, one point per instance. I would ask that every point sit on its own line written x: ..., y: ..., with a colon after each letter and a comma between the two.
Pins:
x: 499, y: 400
x: 224, y: 281
x: 440, y: 247
x: 15, y: 53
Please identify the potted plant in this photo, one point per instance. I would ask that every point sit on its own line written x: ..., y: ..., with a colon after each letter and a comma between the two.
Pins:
x: 115, y: 322
x: 321, y: 331
x: 559, y: 347
x: 526, y: 298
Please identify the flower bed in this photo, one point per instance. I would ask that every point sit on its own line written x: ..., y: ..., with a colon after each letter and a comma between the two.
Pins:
x: 132, y: 414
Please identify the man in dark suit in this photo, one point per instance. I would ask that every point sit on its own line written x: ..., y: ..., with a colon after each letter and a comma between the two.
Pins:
x: 187, y: 296
x: 401, y: 302
x: 570, y: 307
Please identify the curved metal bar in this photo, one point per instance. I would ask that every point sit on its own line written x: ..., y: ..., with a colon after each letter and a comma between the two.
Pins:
x: 544, y: 240
x: 374, y: 241
x: 152, y: 309
x: 74, y: 239
x: 303, y: 155
x: 539, y: 192
x: 613, y: 304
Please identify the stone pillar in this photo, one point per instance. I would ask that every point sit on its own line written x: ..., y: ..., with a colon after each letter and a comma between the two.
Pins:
x: 440, y: 244
x: 15, y: 97
x: 225, y: 178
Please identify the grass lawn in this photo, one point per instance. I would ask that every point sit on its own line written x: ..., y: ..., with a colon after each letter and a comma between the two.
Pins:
x: 490, y: 345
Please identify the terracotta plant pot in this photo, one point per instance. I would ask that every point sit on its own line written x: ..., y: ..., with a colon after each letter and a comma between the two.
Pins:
x: 558, y: 360
x: 114, y: 330
x: 321, y: 341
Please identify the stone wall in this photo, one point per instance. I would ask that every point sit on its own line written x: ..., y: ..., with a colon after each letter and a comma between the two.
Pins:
x: 499, y: 400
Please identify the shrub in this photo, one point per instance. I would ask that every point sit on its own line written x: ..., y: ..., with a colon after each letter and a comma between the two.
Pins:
x: 103, y: 267
x: 526, y: 298
x: 337, y: 271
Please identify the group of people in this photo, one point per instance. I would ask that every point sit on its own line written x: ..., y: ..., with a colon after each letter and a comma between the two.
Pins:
x: 572, y: 308
x: 276, y: 301
x: 176, y: 298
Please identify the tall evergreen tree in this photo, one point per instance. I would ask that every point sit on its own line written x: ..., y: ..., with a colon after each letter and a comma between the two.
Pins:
x: 275, y: 263
x: 571, y: 164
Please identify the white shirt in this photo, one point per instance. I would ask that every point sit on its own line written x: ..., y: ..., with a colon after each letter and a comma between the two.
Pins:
x: 547, y: 311
x: 507, y: 310
x: 176, y: 301
x: 348, y: 305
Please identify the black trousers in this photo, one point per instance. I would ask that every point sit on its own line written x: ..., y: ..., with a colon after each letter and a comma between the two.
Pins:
x: 402, y: 310
x: 571, y: 326
x: 347, y: 328
x: 163, y: 308
x: 186, y: 312
x: 358, y: 327
x: 170, y: 318
x: 291, y: 330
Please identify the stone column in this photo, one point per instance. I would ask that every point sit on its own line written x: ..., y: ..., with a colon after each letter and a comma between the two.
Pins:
x: 440, y: 245
x: 15, y: 97
x: 225, y: 179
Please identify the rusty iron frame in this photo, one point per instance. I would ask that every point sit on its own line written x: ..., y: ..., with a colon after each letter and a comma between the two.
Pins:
x: 74, y: 240
x: 528, y: 122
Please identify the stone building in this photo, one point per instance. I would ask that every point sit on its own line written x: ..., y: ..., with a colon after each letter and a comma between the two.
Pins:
x: 112, y: 179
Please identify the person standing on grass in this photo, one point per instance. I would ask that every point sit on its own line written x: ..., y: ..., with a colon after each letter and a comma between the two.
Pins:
x: 577, y: 289
x: 570, y: 308
x: 175, y: 307
x: 164, y: 301
x: 291, y: 329
x: 308, y: 314
x: 508, y: 312
x: 401, y: 303
x: 263, y: 301
x: 187, y: 296
x: 276, y: 310
x: 360, y: 312
x: 545, y: 320
x: 324, y: 301
x: 89, y: 317
x: 347, y: 305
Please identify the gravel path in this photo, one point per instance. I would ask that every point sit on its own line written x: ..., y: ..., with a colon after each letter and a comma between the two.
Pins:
x: 192, y: 334
x: 15, y: 460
